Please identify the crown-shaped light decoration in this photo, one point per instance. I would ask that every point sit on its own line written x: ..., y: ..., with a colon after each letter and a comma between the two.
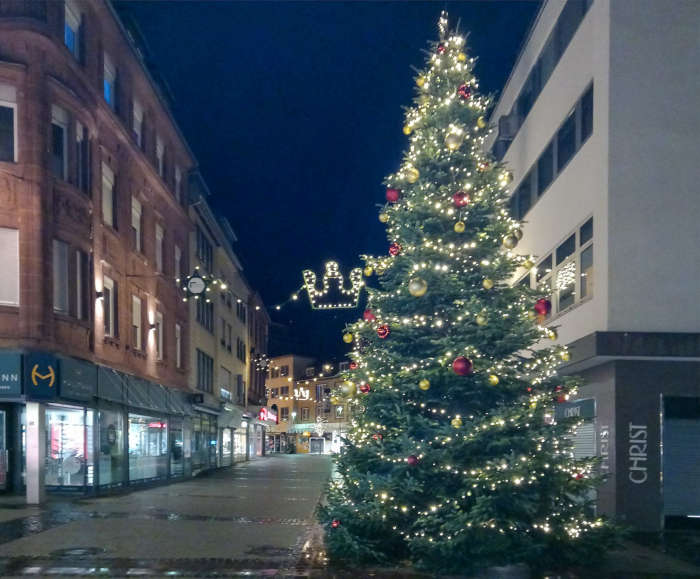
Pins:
x: 333, y: 284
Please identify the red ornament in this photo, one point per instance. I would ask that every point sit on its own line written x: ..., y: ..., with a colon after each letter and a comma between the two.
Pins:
x: 377, y: 436
x: 353, y: 365
x: 365, y: 388
x: 383, y: 331
x: 392, y: 195
x: 412, y: 460
x: 462, y: 366
x: 558, y: 388
x: 335, y: 523
x: 394, y: 249
x: 529, y: 388
x: 543, y: 306
x: 460, y: 199
x: 578, y: 476
x: 441, y: 48
x: 464, y: 91
x: 368, y: 316
x: 561, y: 399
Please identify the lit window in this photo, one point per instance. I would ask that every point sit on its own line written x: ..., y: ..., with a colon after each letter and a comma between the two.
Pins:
x: 71, y: 30
x: 110, y: 306
x: 159, y: 335
x: 110, y: 82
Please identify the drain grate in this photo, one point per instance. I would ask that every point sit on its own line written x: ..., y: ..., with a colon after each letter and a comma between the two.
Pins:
x: 78, y: 552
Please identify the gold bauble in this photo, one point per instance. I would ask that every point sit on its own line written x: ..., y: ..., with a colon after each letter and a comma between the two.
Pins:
x: 460, y: 227
x: 368, y: 271
x: 347, y: 338
x: 533, y: 404
x: 531, y: 315
x: 412, y: 174
x: 565, y: 356
x: 481, y: 320
x: 380, y: 270
x: 420, y: 81
x: 510, y: 241
x: 417, y: 287
x: 335, y: 400
x: 348, y: 388
x: 453, y: 141
x: 527, y: 264
x: 383, y: 217
x: 487, y: 283
x: 461, y: 57
x: 424, y: 384
x: 456, y: 422
x: 481, y: 122
x: 553, y: 335
x: 518, y: 234
x: 493, y: 379
x: 407, y: 130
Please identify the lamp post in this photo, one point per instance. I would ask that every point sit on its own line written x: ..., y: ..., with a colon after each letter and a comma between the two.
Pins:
x: 294, y: 415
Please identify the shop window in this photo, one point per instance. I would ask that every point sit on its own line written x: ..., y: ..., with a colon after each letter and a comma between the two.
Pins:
x: 148, y: 447
x: 136, y: 325
x: 111, y: 448
x: 177, y: 445
x: 69, y: 447
x: 59, y: 142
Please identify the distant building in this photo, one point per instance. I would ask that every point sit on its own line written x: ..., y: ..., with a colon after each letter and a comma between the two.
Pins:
x: 599, y: 124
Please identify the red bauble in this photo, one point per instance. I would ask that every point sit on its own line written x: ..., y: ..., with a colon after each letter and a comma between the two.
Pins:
x: 368, y: 316
x: 392, y: 195
x: 462, y: 366
x: 578, y: 476
x: 335, y: 523
x: 529, y: 389
x: 561, y: 399
x: 412, y: 460
x: 460, y: 199
x: 377, y: 436
x: 441, y: 48
x: 464, y: 91
x: 383, y: 331
x: 394, y: 249
x: 353, y: 365
x: 364, y: 388
x: 543, y: 306
x: 558, y: 388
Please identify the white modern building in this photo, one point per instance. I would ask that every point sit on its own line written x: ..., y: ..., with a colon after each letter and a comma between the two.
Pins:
x: 599, y: 123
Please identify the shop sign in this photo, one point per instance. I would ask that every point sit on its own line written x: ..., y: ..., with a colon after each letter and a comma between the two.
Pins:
x: 78, y: 379
x: 10, y: 375
x: 577, y: 409
x: 638, y: 437
x: 41, y: 376
x: 267, y: 414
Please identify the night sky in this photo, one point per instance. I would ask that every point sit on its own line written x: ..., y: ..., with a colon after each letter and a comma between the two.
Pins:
x: 294, y: 112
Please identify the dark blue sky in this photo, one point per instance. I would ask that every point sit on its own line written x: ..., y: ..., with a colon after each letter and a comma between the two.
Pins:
x: 294, y: 111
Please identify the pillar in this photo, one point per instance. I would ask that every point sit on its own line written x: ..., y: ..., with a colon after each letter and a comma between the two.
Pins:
x: 36, y: 453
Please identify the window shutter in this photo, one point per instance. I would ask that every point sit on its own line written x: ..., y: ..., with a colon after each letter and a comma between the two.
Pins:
x: 115, y: 299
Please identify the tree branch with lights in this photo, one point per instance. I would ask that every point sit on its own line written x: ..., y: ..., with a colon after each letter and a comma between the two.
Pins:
x: 455, y: 461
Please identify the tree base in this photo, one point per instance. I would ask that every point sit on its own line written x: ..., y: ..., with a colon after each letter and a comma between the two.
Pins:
x: 519, y: 571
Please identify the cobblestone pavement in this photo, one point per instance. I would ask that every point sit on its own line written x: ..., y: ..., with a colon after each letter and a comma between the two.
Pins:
x: 256, y: 519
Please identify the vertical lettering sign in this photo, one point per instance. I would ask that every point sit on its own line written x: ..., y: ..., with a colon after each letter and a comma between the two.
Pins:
x: 10, y: 375
x: 638, y: 437
x: 604, y: 449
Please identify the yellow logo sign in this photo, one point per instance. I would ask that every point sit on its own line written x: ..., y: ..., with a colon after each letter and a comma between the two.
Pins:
x: 50, y: 375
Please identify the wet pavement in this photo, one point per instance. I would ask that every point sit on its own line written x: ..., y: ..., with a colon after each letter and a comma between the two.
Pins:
x: 256, y: 519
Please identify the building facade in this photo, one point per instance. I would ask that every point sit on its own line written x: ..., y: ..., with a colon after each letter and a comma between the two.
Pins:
x: 598, y: 123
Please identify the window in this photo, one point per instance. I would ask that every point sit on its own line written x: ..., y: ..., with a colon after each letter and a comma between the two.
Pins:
x: 284, y: 414
x: 72, y: 30
x: 178, y: 346
x: 205, y: 372
x: 305, y: 414
x: 563, y: 146
x: 310, y: 371
x: 136, y: 338
x: 343, y: 366
x: 108, y: 197
x: 229, y: 337
x: 159, y: 335
x: 274, y: 392
x: 274, y: 373
x: 160, y: 156
x: 586, y: 260
x: 284, y: 390
x: 60, y: 277
x: 136, y: 220
x: 160, y: 233
x: 82, y: 285
x: 178, y: 263
x: 240, y: 350
x: 110, y: 82
x: 8, y: 123
x: 225, y: 381
x: 110, y: 306
x: 205, y: 251
x: 284, y: 370
x: 59, y: 142
x: 241, y: 311
x: 205, y: 314
x: 82, y: 158
x: 178, y: 184
x: 339, y: 411
x: 240, y: 389
x: 137, y: 122
x: 319, y: 392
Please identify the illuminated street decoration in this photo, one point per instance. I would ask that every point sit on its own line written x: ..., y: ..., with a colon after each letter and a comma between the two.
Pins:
x: 333, y: 283
x: 301, y: 394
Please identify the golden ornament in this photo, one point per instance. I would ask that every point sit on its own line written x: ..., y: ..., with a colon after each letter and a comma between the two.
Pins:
x: 368, y: 271
x: 493, y: 379
x: 481, y: 320
x: 334, y: 400
x: 553, y: 335
x: 347, y: 338
x: 407, y: 130
x: 481, y: 122
x: 456, y: 422
x: 461, y: 57
x: 532, y: 315
x: 424, y: 384
x: 383, y: 217
x: 348, y: 388
x: 417, y: 287
x: 510, y: 241
x: 420, y: 81
x: 527, y: 264
x: 518, y: 234
x: 533, y: 404
x: 453, y: 141
x: 565, y: 356
x: 460, y: 227
x: 487, y: 283
x: 412, y: 174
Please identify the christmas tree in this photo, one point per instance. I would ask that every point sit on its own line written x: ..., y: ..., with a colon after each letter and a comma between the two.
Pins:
x: 454, y: 461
